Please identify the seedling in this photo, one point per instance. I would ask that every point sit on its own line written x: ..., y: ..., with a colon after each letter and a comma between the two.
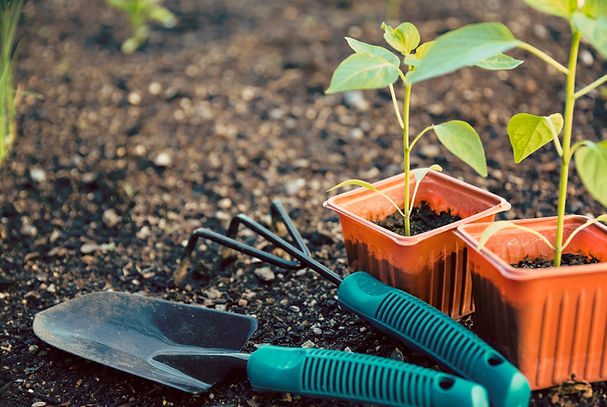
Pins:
x: 373, y: 67
x: 10, y: 11
x: 141, y: 13
x: 529, y: 132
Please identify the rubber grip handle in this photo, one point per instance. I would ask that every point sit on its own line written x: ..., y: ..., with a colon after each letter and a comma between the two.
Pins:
x: 426, y: 329
x: 356, y: 377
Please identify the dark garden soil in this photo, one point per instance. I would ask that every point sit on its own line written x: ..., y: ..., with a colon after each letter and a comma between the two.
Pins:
x: 423, y: 219
x: 568, y: 259
x: 120, y: 157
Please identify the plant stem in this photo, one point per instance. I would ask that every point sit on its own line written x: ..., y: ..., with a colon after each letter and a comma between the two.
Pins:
x: 590, y: 87
x: 407, y: 151
x: 545, y: 57
x: 395, y: 103
x: 569, y: 106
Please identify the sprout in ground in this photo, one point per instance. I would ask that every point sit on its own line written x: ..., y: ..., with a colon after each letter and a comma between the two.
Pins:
x: 527, y: 132
x: 141, y: 13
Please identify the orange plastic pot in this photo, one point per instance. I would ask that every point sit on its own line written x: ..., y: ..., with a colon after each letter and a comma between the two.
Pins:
x: 432, y: 265
x: 550, y: 323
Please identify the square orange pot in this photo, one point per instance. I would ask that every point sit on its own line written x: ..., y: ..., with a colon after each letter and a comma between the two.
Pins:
x: 552, y: 322
x: 431, y: 265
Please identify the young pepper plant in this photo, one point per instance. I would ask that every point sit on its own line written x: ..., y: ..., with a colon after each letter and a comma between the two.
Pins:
x: 373, y: 67
x: 529, y: 132
x: 140, y: 13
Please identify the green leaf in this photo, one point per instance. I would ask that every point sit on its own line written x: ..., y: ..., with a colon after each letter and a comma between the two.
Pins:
x: 420, y: 52
x: 403, y: 38
x: 462, y: 47
x: 363, y: 71
x: 499, y: 61
x: 365, y: 184
x: 463, y: 141
x: 561, y: 8
x: 595, y: 8
x: 356, y: 182
x: 363, y: 48
x: 591, y: 164
x: 419, y: 175
x: 528, y: 132
x: 504, y: 224
x: 594, y: 30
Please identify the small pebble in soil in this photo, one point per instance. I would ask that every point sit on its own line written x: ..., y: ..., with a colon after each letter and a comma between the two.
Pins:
x: 155, y: 88
x: 111, y: 218
x: 243, y: 303
x: 317, y: 331
x: 265, y: 274
x: 163, y: 160
x: 32, y: 349
x: 294, y: 308
x: 308, y: 344
x: 134, y: 98
x: 355, y: 99
x: 38, y: 174
x: 89, y: 248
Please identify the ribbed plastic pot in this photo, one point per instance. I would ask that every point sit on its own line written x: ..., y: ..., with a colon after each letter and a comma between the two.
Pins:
x: 552, y: 322
x: 432, y: 265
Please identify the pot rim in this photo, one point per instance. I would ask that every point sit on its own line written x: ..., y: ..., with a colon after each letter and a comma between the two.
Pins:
x: 500, y: 205
x: 518, y: 274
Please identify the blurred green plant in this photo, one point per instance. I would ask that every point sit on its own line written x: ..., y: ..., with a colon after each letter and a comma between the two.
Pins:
x: 527, y: 132
x: 373, y: 67
x: 10, y: 11
x: 140, y: 14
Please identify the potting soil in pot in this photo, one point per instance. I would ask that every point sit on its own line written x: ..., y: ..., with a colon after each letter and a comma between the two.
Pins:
x: 423, y: 219
x: 568, y: 259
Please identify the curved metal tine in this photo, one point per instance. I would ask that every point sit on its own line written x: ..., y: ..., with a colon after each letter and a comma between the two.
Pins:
x: 242, y: 219
x: 278, y: 211
x: 239, y: 246
x: 305, y: 260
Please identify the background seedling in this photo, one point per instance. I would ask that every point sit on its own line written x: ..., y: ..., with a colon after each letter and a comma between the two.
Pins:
x: 10, y: 11
x: 527, y: 132
x: 141, y: 13
x: 372, y: 67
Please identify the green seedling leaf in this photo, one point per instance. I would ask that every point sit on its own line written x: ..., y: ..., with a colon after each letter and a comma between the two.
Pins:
x: 363, y: 71
x: 594, y: 30
x: 463, y: 47
x: 365, y: 184
x: 601, y: 218
x: 419, y: 175
x: 528, y: 132
x: 464, y: 142
x: 561, y: 8
x: 420, y: 52
x: 404, y: 38
x: 595, y: 8
x: 499, y: 61
x: 591, y: 164
x: 504, y: 224
x: 363, y: 48
x: 355, y: 182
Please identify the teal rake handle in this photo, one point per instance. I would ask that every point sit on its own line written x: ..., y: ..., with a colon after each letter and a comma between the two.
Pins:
x: 425, y: 328
x: 356, y: 377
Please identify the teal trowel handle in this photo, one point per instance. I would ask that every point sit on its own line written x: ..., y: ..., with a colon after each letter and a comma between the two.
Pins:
x: 425, y: 328
x: 356, y: 377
